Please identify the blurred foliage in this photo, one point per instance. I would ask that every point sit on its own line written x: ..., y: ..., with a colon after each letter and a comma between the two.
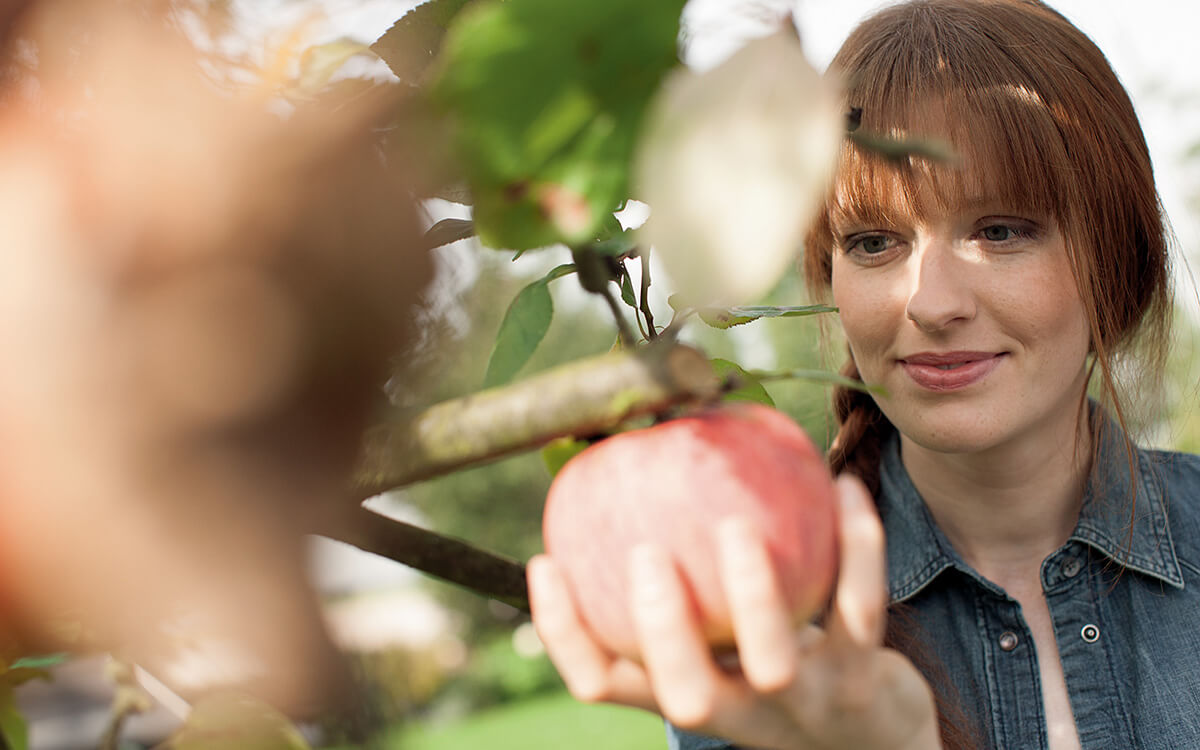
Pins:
x: 552, y: 722
x: 398, y: 682
x: 548, y: 162
x: 1182, y: 398
x: 240, y: 721
x: 497, y: 674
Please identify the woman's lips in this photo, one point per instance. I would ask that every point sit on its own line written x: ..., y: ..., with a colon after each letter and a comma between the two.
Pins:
x: 949, y: 371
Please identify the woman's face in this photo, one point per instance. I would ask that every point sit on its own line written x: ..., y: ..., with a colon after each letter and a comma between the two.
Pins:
x: 971, y: 321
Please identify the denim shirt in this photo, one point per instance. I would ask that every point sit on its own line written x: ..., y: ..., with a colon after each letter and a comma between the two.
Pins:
x: 1125, y: 604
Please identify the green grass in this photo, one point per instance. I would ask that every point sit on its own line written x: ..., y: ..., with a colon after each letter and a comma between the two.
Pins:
x: 552, y: 722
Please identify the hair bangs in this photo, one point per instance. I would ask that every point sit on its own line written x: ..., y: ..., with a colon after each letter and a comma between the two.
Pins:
x: 1000, y: 144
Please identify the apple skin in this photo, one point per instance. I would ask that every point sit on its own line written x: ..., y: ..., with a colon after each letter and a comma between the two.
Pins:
x: 671, y: 484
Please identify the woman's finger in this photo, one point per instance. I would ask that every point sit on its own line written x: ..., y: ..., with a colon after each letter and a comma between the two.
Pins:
x: 678, y: 660
x: 761, y: 623
x: 861, y: 597
x: 590, y: 673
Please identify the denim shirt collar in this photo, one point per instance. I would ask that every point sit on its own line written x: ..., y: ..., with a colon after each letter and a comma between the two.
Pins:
x: 918, y: 551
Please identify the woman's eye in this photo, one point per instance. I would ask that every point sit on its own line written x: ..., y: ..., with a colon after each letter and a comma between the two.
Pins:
x: 998, y: 233
x: 872, y: 244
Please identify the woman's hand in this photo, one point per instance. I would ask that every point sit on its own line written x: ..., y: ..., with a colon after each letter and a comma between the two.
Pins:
x: 835, y: 687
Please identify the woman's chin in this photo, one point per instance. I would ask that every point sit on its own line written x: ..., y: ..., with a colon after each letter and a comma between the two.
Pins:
x: 964, y: 433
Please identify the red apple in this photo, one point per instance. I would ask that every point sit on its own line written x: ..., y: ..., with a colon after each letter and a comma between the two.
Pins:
x: 671, y: 484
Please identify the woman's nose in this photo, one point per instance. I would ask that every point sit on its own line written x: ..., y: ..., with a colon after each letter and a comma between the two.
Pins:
x: 940, y: 293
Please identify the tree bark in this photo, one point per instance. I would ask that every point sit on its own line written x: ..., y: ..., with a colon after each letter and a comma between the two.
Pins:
x: 581, y: 398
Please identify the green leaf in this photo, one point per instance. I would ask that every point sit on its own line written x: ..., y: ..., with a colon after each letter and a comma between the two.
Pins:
x: 411, y: 44
x: 39, y: 662
x: 748, y: 388
x: 30, y: 668
x: 627, y: 295
x: 13, y: 729
x: 557, y: 453
x: 610, y: 228
x: 523, y: 328
x: 729, y: 317
x: 449, y: 230
x: 620, y: 245
x: 898, y: 150
x: 547, y: 98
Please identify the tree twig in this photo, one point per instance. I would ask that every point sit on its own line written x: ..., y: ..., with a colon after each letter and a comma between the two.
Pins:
x: 584, y: 397
x: 129, y: 699
x: 645, y: 295
x: 628, y: 340
x: 444, y: 557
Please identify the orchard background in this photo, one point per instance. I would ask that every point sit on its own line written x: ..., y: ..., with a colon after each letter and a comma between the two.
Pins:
x: 268, y: 260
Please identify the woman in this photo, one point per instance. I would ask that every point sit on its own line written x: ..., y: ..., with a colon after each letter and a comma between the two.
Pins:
x: 1032, y: 590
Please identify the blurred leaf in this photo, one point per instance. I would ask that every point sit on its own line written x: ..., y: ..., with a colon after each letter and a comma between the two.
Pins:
x: 547, y: 98
x: 39, y: 662
x: 31, y: 668
x: 318, y: 64
x: 817, y: 376
x: 418, y: 139
x: 611, y: 226
x: 728, y: 317
x: 898, y: 150
x: 556, y: 454
x: 412, y: 43
x: 226, y: 721
x: 449, y: 230
x: 523, y: 328
x: 749, y: 389
x: 627, y: 295
x: 618, y: 245
x: 733, y: 161
x: 13, y: 730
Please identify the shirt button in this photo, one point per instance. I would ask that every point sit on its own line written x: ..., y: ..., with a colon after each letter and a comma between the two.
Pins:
x: 1090, y: 633
x: 1072, y: 567
x: 1008, y: 640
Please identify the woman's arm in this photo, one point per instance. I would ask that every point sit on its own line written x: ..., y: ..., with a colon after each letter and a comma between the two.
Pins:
x: 831, y: 687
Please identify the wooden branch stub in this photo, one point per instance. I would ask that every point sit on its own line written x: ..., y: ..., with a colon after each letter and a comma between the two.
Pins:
x: 581, y: 398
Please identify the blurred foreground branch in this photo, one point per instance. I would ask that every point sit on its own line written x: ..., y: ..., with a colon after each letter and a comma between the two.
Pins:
x: 581, y: 398
x: 450, y: 559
